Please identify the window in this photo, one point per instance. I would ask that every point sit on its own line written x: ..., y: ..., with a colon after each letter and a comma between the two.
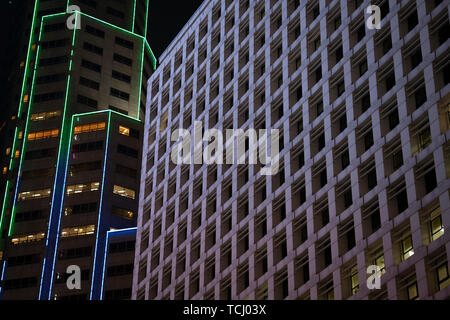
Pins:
x: 124, y: 43
x: 99, y: 126
x: 121, y: 76
x: 92, y: 48
x: 379, y: 262
x: 130, y: 152
x: 413, y: 293
x: 89, y: 83
x: 28, y: 238
x: 407, y: 247
x: 123, y: 213
x: 124, y: 192
x: 354, y: 280
x: 120, y: 94
x: 94, y: 31
x: 123, y: 60
x: 78, y: 231
x: 45, y: 115
x: 436, y: 226
x: 86, y: 166
x: 36, y: 194
x: 443, y: 277
x: 86, y: 147
x: 115, y: 13
x: 124, y: 130
x: 87, y: 101
x: 91, y: 65
x: 41, y: 135
x: 80, y: 188
x: 81, y: 208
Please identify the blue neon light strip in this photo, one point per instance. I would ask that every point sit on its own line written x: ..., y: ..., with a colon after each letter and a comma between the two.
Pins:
x: 113, y: 233
x: 94, y: 295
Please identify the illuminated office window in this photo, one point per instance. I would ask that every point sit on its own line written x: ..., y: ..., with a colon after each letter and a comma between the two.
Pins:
x: 78, y: 231
x: 28, y: 238
x: 413, y: 293
x: 25, y: 98
x: 17, y: 154
x: 407, y: 247
x: 5, y: 170
x: 41, y: 135
x: 436, y: 226
x: 33, y: 47
x: 443, y: 276
x: 8, y: 151
x: 123, y: 213
x: 20, y: 135
x: 80, y: 188
x: 90, y: 127
x: 124, y: 192
x: 45, y: 115
x: 354, y: 279
x: 37, y: 194
x: 379, y: 262
x: 22, y: 64
x: 124, y: 130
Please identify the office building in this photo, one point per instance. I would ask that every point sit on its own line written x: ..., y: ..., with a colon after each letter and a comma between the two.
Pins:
x: 364, y: 169
x: 73, y: 175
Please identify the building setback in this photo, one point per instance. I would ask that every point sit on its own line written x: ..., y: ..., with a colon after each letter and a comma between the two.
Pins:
x: 364, y: 163
x: 74, y: 173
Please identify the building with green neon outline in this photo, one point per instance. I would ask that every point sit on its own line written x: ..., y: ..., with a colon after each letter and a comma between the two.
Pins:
x: 75, y: 163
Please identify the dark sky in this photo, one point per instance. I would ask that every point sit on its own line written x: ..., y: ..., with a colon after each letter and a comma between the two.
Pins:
x: 166, y: 19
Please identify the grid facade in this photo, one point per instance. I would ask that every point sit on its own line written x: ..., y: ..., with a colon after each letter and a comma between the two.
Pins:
x: 364, y: 154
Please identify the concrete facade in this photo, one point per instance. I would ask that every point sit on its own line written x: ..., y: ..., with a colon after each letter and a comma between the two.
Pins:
x: 365, y: 165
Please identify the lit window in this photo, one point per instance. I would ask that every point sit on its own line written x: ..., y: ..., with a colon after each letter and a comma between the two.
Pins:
x: 124, y: 213
x: 90, y: 127
x: 5, y: 170
x: 8, y: 151
x: 437, y: 229
x: 124, y: 130
x: 45, y: 115
x: 33, y: 47
x: 413, y: 293
x: 22, y: 64
x: 407, y: 248
x: 78, y: 231
x: 37, y: 194
x: 20, y: 135
x: 80, y: 188
x: 354, y: 280
x: 379, y: 262
x: 442, y: 276
x: 17, y: 154
x: 28, y: 238
x: 25, y: 98
x: 124, y: 192
x: 40, y: 135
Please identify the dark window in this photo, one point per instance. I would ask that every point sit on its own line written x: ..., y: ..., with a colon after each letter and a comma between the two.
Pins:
x: 94, y: 31
x: 115, y: 13
x: 120, y: 94
x: 420, y: 96
x: 393, y: 119
x: 130, y: 152
x: 348, y: 198
x: 413, y: 20
x: 92, y: 48
x: 87, y: 101
x: 121, y: 76
x: 345, y: 159
x: 368, y: 140
x: 323, y: 178
x: 121, y: 59
x: 430, y: 181
x: 124, y: 43
x: 402, y: 201
x: 371, y: 179
x: 342, y: 123
x: 89, y: 83
x: 91, y: 65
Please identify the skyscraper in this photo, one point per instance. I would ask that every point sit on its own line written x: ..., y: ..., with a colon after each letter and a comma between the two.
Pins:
x: 364, y: 169
x: 75, y: 160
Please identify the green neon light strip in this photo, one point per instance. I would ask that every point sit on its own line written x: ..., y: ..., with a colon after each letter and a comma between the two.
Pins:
x: 5, y: 201
x: 105, y: 111
x: 134, y: 16
x: 146, y: 18
x: 22, y: 94
x: 140, y: 80
x: 25, y: 134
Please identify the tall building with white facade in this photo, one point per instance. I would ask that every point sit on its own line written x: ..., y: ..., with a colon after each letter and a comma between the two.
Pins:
x: 364, y: 154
